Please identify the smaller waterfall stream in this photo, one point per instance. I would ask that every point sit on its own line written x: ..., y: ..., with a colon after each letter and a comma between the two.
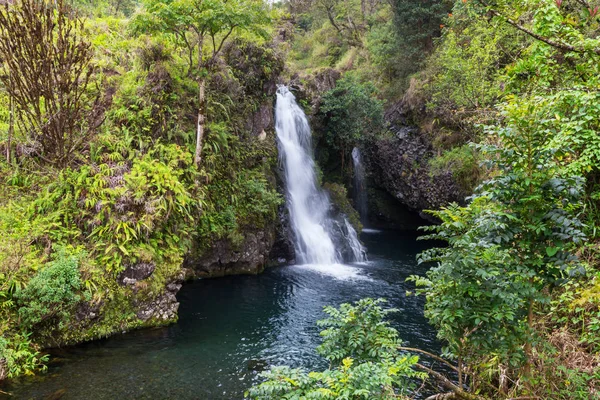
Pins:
x: 308, y: 205
x: 359, y: 186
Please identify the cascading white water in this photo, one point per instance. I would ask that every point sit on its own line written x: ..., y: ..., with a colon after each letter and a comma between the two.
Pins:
x: 358, y: 251
x: 359, y: 185
x: 308, y: 205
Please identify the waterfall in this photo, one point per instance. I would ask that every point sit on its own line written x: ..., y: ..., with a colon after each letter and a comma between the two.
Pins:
x: 359, y: 185
x: 358, y: 251
x: 309, y: 206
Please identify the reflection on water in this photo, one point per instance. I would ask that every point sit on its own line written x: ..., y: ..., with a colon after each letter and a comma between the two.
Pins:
x: 229, y: 328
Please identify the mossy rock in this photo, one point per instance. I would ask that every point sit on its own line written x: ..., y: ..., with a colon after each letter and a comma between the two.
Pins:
x: 339, y: 198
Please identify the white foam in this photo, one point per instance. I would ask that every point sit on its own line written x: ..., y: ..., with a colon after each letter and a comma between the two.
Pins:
x: 366, y: 230
x: 337, y: 271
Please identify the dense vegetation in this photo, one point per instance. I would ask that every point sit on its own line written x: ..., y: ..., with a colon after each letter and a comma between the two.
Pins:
x: 365, y: 355
x: 507, y: 97
x: 130, y: 144
x: 101, y: 172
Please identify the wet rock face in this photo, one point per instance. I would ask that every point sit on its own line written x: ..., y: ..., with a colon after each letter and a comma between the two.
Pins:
x: 226, y: 258
x: 399, y: 164
x: 386, y: 212
x: 283, y: 252
x: 262, y: 120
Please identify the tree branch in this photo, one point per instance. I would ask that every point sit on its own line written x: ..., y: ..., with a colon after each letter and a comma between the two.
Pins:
x: 218, y: 50
x: 442, y: 396
x: 550, y: 42
x: 458, y: 392
x: 430, y: 355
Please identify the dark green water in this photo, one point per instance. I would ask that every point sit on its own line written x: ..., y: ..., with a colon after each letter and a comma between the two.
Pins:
x: 229, y: 326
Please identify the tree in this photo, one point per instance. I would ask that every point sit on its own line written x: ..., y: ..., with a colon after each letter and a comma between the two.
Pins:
x: 201, y: 28
x: 351, y: 113
x: 346, y: 17
x: 47, y: 69
x: 419, y: 22
x: 561, y: 26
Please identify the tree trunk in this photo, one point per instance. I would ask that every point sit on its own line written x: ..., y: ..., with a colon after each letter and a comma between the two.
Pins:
x: 11, y: 127
x: 528, y: 349
x: 363, y: 10
x: 201, y: 121
x: 201, y: 103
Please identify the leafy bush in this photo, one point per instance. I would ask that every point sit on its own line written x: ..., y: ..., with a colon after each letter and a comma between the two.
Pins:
x: 358, y: 331
x: 20, y: 355
x: 18, y: 258
x: 365, y: 362
x: 53, y: 290
x: 514, y: 242
x: 464, y: 67
x: 367, y: 380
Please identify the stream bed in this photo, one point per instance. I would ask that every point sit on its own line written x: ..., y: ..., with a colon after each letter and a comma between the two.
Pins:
x: 230, y: 328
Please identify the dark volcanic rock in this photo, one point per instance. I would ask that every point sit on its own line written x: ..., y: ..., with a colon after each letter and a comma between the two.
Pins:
x: 399, y: 164
x: 88, y: 311
x: 226, y: 258
x: 136, y: 272
x: 262, y: 120
x: 387, y: 212
x: 283, y: 252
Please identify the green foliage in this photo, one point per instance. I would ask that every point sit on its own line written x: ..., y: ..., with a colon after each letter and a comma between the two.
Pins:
x: 359, y: 332
x: 18, y: 259
x: 52, y: 291
x: 130, y: 211
x: 351, y: 113
x: 476, y: 294
x: 134, y: 196
x: 426, y: 16
x: 513, y: 243
x: 239, y: 194
x: 463, y: 162
x: 106, y: 7
x: 416, y: 24
x: 367, y: 380
x: 21, y: 356
x: 508, y: 282
x: 465, y: 66
x: 193, y: 22
x: 339, y: 197
x: 577, y: 308
x: 365, y: 363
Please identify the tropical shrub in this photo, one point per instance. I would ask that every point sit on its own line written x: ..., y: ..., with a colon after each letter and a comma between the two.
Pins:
x: 20, y: 356
x: 365, y: 362
x: 53, y: 290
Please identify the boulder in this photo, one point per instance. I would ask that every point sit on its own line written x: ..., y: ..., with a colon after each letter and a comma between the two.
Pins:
x: 136, y: 272
x: 227, y: 258
x: 162, y: 308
